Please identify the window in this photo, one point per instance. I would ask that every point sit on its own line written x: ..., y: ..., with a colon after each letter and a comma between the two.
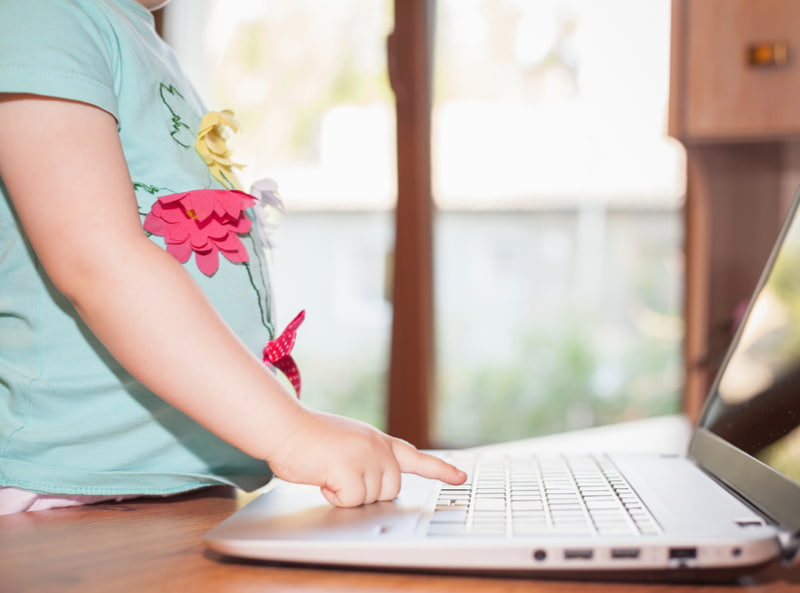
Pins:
x: 558, y: 197
x: 559, y: 226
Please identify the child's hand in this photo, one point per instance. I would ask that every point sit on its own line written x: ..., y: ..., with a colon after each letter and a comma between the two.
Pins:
x: 351, y: 462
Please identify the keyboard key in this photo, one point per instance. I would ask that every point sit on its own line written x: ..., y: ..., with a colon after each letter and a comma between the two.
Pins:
x: 450, y: 516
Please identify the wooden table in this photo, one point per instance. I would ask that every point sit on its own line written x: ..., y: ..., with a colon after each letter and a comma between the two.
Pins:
x: 155, y: 546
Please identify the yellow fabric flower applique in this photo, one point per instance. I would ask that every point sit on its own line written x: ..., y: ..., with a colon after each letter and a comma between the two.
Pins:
x: 211, y: 145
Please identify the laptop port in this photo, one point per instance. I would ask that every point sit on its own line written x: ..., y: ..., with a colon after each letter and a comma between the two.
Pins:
x: 682, y: 553
x: 624, y: 553
x: 578, y: 554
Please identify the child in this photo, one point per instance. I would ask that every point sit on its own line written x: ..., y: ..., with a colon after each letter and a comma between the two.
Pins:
x: 133, y: 287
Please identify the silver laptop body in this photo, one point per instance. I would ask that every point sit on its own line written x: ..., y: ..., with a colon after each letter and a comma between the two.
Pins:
x: 730, y: 505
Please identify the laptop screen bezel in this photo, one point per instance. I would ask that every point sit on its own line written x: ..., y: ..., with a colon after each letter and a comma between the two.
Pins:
x: 767, y: 489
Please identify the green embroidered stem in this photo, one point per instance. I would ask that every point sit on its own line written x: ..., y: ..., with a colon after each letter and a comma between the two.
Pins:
x: 264, y: 320
x: 225, y: 181
x: 150, y: 189
x: 177, y: 123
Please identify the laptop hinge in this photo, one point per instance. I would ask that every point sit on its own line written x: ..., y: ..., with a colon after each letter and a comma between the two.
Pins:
x: 790, y: 544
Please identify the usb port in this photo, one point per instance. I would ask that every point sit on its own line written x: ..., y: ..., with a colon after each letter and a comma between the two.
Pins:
x: 624, y: 553
x: 578, y: 554
x: 682, y: 553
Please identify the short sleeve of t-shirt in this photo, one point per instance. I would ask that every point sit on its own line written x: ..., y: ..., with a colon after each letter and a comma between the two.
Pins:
x: 55, y: 49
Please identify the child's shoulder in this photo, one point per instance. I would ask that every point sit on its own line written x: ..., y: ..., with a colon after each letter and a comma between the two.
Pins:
x: 71, y: 49
x: 35, y: 27
x: 51, y: 15
x: 66, y: 23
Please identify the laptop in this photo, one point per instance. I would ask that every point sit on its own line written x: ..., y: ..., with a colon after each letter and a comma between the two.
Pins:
x: 729, y: 505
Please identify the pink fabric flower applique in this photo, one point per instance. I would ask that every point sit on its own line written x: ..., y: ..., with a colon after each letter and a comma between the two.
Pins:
x: 204, y: 221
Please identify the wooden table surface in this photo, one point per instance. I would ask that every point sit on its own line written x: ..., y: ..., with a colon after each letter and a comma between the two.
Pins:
x: 155, y: 546
x: 149, y: 546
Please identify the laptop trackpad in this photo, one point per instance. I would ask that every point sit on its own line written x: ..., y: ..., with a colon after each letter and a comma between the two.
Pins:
x: 295, y: 512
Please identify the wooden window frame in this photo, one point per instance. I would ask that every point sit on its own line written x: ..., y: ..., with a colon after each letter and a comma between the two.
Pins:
x: 412, y: 360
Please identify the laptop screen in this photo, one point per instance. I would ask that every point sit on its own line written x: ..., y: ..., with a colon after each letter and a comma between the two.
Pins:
x: 754, y: 406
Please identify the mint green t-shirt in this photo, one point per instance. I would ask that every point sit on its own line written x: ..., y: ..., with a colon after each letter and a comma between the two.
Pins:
x: 72, y: 420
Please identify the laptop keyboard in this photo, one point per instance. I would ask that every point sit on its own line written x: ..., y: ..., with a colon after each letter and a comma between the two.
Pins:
x: 532, y: 495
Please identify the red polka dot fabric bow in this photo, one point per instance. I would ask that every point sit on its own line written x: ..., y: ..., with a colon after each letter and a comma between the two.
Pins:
x: 278, y: 352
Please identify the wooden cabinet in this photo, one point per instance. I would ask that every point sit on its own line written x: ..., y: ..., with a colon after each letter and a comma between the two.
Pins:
x: 739, y: 72
x: 740, y: 125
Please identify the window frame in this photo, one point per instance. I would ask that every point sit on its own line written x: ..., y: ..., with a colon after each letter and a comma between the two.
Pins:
x: 412, y: 360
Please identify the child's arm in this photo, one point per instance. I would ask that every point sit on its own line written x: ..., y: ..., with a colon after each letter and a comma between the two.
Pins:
x: 64, y: 168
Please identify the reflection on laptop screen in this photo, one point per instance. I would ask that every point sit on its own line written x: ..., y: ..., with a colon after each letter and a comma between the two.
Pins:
x: 756, y: 406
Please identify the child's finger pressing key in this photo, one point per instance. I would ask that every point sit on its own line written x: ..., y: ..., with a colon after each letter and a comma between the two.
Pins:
x: 352, y: 462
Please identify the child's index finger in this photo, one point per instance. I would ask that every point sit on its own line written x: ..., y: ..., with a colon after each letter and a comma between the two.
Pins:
x: 413, y: 461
